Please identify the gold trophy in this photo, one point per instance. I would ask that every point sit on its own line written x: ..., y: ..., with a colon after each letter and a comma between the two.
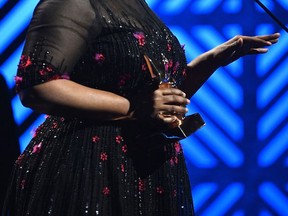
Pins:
x: 183, y: 126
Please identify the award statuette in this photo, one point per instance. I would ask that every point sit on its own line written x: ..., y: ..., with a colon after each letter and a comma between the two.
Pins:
x: 184, y: 125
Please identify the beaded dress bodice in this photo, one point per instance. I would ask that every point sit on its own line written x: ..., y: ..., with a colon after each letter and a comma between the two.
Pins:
x: 76, y: 166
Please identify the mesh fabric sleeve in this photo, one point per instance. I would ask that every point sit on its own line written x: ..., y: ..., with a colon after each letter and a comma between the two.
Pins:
x: 57, y: 37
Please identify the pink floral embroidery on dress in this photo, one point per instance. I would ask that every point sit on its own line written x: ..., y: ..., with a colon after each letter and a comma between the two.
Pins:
x: 176, y: 66
x: 141, y: 185
x: 55, y: 77
x: 19, y: 159
x: 37, y: 148
x: 177, y: 147
x: 140, y: 37
x: 18, y: 81
x: 106, y: 191
x: 123, y: 79
x: 45, y: 70
x: 95, y: 139
x: 174, y: 160
x: 99, y: 57
x: 169, y: 47
x: 25, y: 61
x: 124, y: 148
x: 122, y: 168
x: 174, y: 193
x: 37, y: 130
x: 104, y: 156
x: 65, y: 76
x: 184, y: 73
x: 160, y: 190
x: 118, y: 139
x: 22, y: 184
x: 144, y: 67
x: 54, y: 125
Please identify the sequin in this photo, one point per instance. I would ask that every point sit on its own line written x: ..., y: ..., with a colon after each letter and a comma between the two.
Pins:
x: 37, y: 148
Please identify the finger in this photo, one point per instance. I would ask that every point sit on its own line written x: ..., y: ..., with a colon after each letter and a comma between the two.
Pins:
x: 172, y: 91
x: 274, y: 41
x: 174, y: 110
x: 175, y: 100
x: 256, y: 42
x: 271, y: 37
x: 258, y: 51
x: 169, y: 120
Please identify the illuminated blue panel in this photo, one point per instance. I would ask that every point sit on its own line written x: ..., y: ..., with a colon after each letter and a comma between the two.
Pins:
x: 173, y: 7
x: 232, y: 30
x: 195, y: 153
x: 20, y: 112
x: 225, y: 116
x: 204, y: 6
x: 265, y: 213
x: 3, y: 2
x: 266, y: 62
x: 271, y: 87
x: 225, y: 200
x: 239, y: 213
x: 284, y: 4
x: 274, y: 197
x: 12, y: 24
x: 211, y: 38
x: 191, y: 47
x: 232, y: 6
x: 228, y: 88
x: 264, y: 29
x: 277, y: 147
x: 152, y: 3
x: 208, y: 34
x: 273, y: 117
x: 202, y: 193
x: 222, y: 146
x: 268, y: 3
x: 25, y: 138
x: 9, y: 67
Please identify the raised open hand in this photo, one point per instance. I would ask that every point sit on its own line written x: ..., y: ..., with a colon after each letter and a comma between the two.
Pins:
x: 239, y: 46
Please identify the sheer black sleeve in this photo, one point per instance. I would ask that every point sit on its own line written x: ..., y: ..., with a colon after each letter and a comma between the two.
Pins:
x: 56, y: 39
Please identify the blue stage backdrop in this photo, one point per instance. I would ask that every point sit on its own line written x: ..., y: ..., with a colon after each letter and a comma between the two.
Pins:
x: 238, y: 163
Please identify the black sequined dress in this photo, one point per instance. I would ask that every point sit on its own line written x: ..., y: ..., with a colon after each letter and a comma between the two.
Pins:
x: 76, y: 166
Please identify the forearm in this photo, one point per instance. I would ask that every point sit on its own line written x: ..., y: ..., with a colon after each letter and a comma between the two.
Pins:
x: 69, y: 99
x: 198, y: 71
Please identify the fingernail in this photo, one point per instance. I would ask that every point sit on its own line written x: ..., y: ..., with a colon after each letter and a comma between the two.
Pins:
x: 188, y: 101
x: 269, y: 43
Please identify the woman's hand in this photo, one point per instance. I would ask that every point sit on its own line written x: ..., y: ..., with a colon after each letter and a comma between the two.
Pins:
x: 164, y: 104
x: 202, y: 67
x: 239, y: 46
x: 169, y: 105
